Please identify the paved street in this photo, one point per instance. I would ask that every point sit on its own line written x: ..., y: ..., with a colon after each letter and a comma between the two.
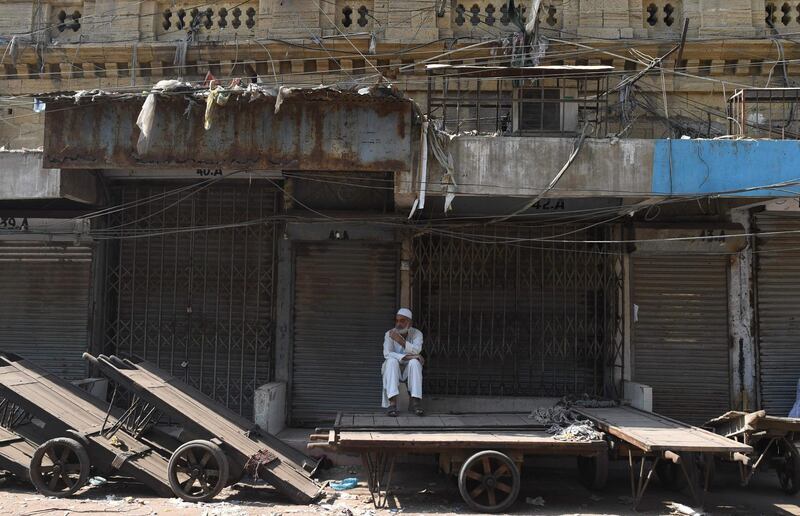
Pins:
x: 422, y: 491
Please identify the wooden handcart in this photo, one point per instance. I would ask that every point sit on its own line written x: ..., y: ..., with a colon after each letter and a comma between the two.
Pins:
x: 773, y: 440
x: 485, y: 451
x: 681, y: 455
x: 216, y: 440
x: 54, y: 434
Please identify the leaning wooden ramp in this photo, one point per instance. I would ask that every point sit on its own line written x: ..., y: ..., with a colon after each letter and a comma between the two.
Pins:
x: 249, y: 448
x: 65, y: 410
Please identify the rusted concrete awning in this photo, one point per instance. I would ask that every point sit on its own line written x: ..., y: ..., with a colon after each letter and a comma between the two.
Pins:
x: 320, y: 129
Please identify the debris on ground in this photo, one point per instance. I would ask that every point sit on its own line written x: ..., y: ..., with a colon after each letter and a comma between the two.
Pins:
x: 342, y: 485
x: 538, y: 501
x: 679, y: 508
x: 97, y: 481
x: 223, y: 509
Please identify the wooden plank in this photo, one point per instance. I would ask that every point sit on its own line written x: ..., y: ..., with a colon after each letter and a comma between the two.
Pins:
x: 450, y: 421
x: 433, y: 420
x: 509, y: 419
x: 530, y: 442
x: 385, y: 421
x: 479, y: 420
x: 33, y: 399
x: 786, y: 424
x: 405, y: 421
x: 652, y: 432
x: 363, y: 421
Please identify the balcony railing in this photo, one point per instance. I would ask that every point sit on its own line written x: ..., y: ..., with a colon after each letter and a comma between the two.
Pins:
x: 539, y: 100
x: 765, y: 113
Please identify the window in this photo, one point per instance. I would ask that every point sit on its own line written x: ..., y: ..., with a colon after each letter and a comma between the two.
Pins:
x: 540, y: 109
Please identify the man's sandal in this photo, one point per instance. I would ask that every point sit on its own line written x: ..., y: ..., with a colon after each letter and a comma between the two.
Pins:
x: 392, y: 412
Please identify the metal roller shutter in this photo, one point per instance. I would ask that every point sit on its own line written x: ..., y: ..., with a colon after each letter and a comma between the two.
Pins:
x: 197, y: 302
x: 44, y: 302
x: 680, y: 334
x: 345, y: 296
x: 778, y: 291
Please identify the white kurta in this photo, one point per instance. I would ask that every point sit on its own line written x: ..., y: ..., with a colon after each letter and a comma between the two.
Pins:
x: 395, y: 370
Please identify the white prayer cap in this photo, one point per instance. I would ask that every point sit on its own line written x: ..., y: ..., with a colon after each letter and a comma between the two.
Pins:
x: 405, y: 312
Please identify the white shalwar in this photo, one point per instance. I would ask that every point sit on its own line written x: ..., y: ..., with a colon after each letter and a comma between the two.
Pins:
x: 796, y: 408
x: 395, y: 370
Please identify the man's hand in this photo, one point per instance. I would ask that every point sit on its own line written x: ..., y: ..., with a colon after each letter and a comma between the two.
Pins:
x: 395, y: 335
x: 413, y: 357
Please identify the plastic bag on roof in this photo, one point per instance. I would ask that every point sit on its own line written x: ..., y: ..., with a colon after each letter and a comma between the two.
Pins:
x: 147, y: 115
x: 145, y: 123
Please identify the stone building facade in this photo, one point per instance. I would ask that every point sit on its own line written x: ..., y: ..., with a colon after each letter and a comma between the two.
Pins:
x: 73, y: 45
x: 647, y: 251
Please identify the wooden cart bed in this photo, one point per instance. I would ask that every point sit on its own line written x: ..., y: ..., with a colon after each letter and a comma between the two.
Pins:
x: 434, y: 441
x: 486, y: 451
x: 437, y: 432
x: 652, y: 432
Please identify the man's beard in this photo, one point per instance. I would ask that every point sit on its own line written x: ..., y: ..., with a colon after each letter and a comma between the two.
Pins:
x: 403, y: 331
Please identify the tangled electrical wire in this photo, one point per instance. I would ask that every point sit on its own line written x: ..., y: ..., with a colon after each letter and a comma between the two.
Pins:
x: 565, y: 424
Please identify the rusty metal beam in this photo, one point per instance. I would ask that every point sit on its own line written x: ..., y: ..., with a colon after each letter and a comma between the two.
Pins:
x: 350, y: 133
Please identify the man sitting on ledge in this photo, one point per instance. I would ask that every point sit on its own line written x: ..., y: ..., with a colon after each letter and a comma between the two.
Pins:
x: 402, y: 346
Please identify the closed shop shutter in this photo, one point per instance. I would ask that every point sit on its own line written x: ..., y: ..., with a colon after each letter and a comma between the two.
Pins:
x: 680, y: 334
x: 190, y: 283
x: 778, y: 298
x: 44, y: 304
x: 345, y: 298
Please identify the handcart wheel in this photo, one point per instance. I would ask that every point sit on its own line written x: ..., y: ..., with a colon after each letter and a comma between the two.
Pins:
x: 197, y: 471
x: 593, y: 471
x: 489, y: 481
x: 788, y: 467
x: 671, y: 475
x: 59, y: 467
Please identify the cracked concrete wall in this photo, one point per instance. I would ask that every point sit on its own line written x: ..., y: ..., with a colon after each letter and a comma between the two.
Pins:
x: 23, y: 178
x: 741, y: 316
